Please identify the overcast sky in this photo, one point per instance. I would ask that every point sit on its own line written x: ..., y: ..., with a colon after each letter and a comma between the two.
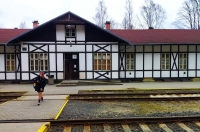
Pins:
x: 13, y: 12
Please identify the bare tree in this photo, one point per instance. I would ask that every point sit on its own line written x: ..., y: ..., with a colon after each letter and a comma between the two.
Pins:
x: 127, y: 22
x: 113, y: 24
x: 189, y: 15
x: 152, y: 15
x: 22, y: 25
x: 101, y: 14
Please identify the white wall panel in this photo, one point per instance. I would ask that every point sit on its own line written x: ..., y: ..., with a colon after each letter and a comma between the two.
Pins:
x: 115, y: 75
x: 2, y: 76
x: 2, y: 67
x: 71, y: 48
x: 52, y: 61
x: 80, y: 33
x: 60, y: 62
x: 82, y: 61
x: 38, y: 50
x: 25, y: 76
x: 60, y: 32
x: 191, y: 73
x: 139, y: 61
x: 174, y: 73
x: 198, y: 60
x: 122, y: 74
x: 102, y: 50
x: 114, y: 61
x: 198, y: 73
x: 165, y: 73
x: 18, y: 76
x: 89, y: 61
x: 148, y: 61
x: 139, y: 74
x: 176, y: 61
x: 52, y: 48
x: 89, y: 48
x: 102, y: 77
x: 82, y: 75
x: 182, y: 73
x: 191, y: 60
x: 33, y: 75
x: 156, y: 74
x: 156, y: 62
x: 89, y: 75
x: 60, y: 75
x: 130, y: 74
x: 25, y: 62
x: 147, y: 74
x: 115, y: 48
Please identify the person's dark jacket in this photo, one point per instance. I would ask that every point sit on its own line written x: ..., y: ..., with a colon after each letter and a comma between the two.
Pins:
x: 40, y: 82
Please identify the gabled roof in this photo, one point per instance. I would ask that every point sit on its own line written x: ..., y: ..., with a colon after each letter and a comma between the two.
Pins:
x: 7, y: 34
x: 17, y: 38
x: 159, y: 36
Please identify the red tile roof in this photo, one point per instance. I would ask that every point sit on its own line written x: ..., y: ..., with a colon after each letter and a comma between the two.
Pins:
x: 8, y: 34
x: 159, y: 36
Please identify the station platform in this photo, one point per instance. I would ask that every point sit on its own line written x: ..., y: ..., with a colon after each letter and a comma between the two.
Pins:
x: 55, y: 98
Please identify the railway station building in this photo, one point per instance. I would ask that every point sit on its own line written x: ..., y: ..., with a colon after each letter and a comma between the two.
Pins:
x: 72, y: 48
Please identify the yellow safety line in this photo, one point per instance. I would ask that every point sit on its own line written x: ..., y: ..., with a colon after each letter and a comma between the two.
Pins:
x: 44, y: 127
x: 62, y: 108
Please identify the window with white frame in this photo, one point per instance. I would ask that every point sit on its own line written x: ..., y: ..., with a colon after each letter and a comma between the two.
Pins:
x: 102, y: 61
x: 182, y: 61
x: 70, y: 32
x: 165, y: 61
x: 130, y: 61
x: 38, y: 61
x: 10, y: 62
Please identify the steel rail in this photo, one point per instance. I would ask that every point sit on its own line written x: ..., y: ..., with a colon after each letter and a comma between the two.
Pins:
x: 109, y: 120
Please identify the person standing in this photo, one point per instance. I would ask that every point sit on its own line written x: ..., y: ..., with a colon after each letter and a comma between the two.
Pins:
x: 40, y: 84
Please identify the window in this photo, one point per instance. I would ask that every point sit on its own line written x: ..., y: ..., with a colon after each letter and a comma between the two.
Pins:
x: 102, y: 61
x: 10, y: 62
x: 165, y: 61
x: 70, y: 32
x: 130, y: 61
x: 182, y: 61
x: 38, y: 62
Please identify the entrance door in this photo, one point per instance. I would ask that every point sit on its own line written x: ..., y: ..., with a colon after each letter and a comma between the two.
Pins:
x: 71, y: 66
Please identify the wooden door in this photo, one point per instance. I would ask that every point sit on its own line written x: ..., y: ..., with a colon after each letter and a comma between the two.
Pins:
x: 71, y: 66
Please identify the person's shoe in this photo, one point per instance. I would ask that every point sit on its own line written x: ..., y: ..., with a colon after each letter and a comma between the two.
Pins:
x: 38, y: 102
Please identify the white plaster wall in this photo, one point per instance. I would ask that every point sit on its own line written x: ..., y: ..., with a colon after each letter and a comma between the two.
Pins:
x: 89, y: 61
x: 2, y: 76
x: 147, y: 73
x: 181, y: 73
x: 45, y: 48
x: 102, y: 50
x: 198, y: 73
x: 156, y: 74
x: 60, y: 62
x: 80, y: 32
x: 147, y: 61
x: 172, y: 61
x: 52, y: 48
x: 25, y: 76
x: 89, y: 48
x: 174, y: 74
x: 2, y: 67
x: 71, y: 48
x: 52, y: 63
x: 89, y: 75
x: 114, y: 62
x: 156, y: 65
x: 139, y: 61
x: 71, y: 39
x: 139, y: 74
x: 33, y: 75
x: 115, y: 48
x: 198, y: 60
x: 10, y: 76
x: 60, y: 75
x: 60, y: 32
x: 82, y: 75
x: 82, y: 61
x: 130, y: 74
x: 122, y: 74
x: 167, y: 73
x: 191, y: 73
x: 1, y: 49
x: 115, y: 75
x: 191, y: 60
x: 25, y: 61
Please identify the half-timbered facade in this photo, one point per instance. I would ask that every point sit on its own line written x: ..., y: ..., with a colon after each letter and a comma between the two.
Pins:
x: 71, y: 48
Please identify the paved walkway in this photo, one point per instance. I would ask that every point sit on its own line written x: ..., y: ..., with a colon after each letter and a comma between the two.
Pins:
x: 26, y: 107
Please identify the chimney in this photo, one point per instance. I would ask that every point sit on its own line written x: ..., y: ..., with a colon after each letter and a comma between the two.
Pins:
x: 108, y: 25
x: 35, y: 24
